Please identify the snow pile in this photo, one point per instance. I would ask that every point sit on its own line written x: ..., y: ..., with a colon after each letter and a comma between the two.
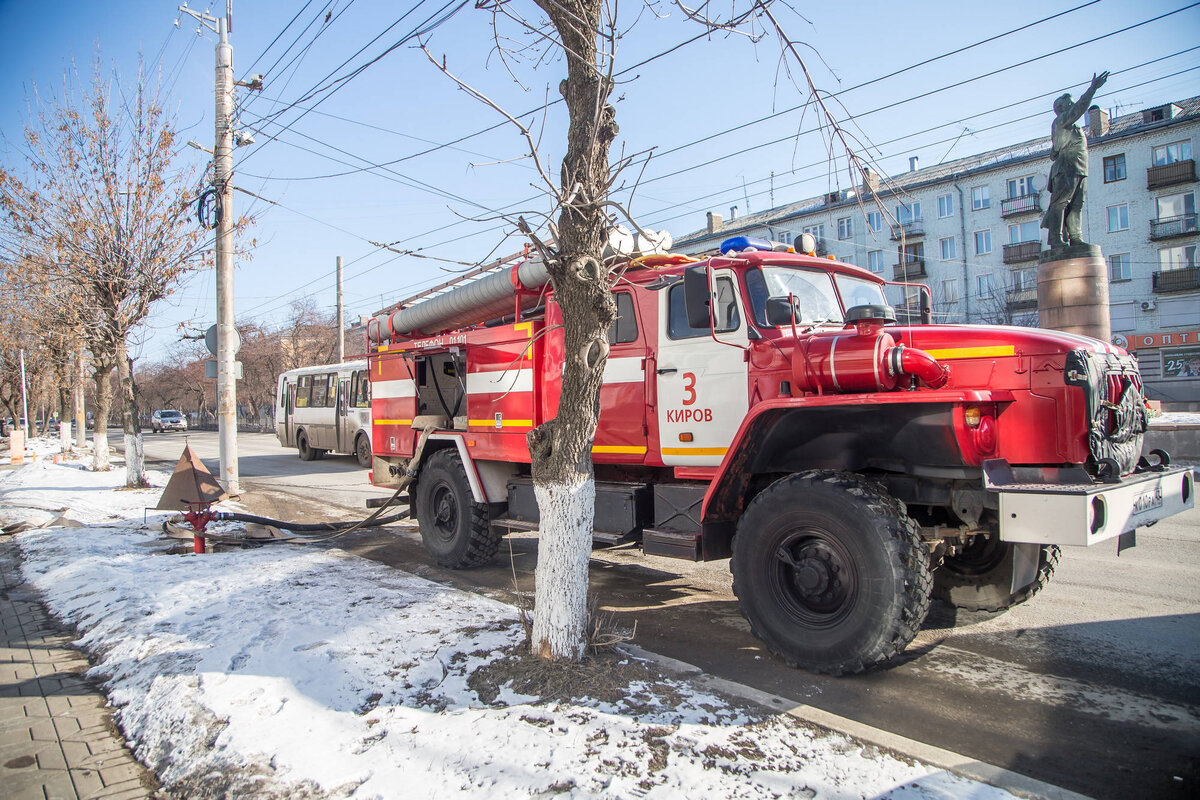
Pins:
x: 303, y: 672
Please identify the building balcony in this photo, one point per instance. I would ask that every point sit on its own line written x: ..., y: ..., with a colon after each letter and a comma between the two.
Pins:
x: 908, y: 230
x: 1171, y: 174
x: 1025, y: 204
x: 1185, y: 279
x: 1022, y: 251
x: 1170, y: 227
x: 909, y: 269
x: 1020, y: 299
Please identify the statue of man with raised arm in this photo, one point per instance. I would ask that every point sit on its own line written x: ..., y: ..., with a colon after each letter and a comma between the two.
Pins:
x: 1068, y: 173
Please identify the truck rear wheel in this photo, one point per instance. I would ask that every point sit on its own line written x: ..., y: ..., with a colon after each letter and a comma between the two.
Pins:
x: 831, y: 572
x: 980, y: 578
x: 455, y: 529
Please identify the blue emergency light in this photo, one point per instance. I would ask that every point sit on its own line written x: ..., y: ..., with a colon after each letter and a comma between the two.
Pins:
x: 739, y: 244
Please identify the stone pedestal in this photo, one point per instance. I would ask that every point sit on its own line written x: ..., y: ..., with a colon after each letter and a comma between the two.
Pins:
x: 1072, y: 291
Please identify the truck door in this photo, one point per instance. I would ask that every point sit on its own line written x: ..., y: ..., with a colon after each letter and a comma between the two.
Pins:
x: 702, y: 376
x: 621, y: 433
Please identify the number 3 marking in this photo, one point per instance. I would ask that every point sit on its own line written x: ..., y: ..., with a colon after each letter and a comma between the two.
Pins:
x: 689, y: 388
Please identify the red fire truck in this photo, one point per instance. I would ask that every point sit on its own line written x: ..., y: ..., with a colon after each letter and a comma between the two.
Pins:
x: 764, y: 406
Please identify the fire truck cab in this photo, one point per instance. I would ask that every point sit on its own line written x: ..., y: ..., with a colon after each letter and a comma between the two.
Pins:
x: 764, y: 406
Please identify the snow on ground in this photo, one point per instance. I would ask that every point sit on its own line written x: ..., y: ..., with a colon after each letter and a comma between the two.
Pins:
x: 293, y: 671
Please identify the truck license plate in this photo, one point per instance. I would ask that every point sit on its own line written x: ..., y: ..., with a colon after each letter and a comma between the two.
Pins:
x: 1147, y: 501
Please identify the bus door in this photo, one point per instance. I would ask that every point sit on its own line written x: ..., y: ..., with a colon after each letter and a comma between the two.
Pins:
x: 343, y: 422
x: 289, y: 414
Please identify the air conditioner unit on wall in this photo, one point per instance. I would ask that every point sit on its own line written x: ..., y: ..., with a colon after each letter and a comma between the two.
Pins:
x: 1149, y: 305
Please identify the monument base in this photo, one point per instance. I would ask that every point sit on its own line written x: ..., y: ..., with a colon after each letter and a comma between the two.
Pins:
x: 1072, y: 291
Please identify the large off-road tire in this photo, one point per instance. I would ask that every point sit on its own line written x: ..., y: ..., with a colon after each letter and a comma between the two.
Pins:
x: 980, y: 577
x: 831, y: 572
x: 455, y: 529
x: 362, y: 450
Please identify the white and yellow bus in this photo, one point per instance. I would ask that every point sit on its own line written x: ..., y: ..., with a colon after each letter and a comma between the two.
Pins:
x: 325, y: 409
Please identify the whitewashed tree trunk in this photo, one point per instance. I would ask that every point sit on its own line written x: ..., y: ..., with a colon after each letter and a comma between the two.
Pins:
x: 100, y: 461
x: 135, y: 462
x: 64, y: 435
x: 561, y: 581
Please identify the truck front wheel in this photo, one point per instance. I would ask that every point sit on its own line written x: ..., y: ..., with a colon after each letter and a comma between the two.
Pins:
x: 831, y: 572
x: 455, y: 529
x: 982, y: 576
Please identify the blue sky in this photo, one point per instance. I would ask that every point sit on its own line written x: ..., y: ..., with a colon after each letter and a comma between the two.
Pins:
x: 442, y: 202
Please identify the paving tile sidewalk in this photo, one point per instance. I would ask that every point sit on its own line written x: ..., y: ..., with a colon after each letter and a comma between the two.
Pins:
x: 57, y: 739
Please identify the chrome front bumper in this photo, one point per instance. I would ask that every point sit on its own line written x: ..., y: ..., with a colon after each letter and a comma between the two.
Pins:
x: 1066, y: 507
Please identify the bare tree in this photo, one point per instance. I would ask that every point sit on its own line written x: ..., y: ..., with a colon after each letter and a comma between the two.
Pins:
x: 101, y: 192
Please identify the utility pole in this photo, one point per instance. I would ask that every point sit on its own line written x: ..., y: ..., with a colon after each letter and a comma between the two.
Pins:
x: 341, y: 315
x: 223, y: 182
x: 227, y: 341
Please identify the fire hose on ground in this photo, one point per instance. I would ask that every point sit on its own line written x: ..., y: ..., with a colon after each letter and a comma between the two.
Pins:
x: 199, y: 517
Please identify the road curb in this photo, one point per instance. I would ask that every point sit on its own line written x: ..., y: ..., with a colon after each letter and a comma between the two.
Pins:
x: 964, y: 766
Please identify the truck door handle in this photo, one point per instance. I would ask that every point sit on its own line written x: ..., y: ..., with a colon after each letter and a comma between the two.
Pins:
x: 666, y: 370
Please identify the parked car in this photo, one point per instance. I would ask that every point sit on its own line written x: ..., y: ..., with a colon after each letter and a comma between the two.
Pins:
x: 167, y: 420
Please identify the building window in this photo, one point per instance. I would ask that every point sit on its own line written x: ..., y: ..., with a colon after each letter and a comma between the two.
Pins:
x: 1019, y: 187
x: 950, y: 290
x: 875, y: 261
x: 1173, y: 206
x: 1118, y: 218
x: 948, y: 249
x: 1118, y: 267
x: 912, y: 255
x: 1114, y: 168
x: 983, y: 242
x: 848, y: 259
x: 875, y: 221
x: 946, y: 205
x: 984, y: 285
x: 845, y: 227
x: 1025, y: 279
x: 908, y: 213
x: 980, y: 198
x: 1170, y: 153
x: 1024, y: 232
x: 1182, y: 257
x: 817, y: 231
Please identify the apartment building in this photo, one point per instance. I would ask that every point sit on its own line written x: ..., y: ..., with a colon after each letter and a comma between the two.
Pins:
x: 970, y: 230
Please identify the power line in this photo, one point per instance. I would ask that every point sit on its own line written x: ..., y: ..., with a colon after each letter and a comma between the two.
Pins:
x: 430, y: 23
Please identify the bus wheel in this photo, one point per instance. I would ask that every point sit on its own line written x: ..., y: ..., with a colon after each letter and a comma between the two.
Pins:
x: 831, y: 572
x: 306, y: 453
x: 362, y: 450
x: 455, y: 529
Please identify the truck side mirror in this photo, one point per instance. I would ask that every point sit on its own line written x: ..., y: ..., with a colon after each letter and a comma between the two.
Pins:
x: 782, y: 311
x: 696, y: 297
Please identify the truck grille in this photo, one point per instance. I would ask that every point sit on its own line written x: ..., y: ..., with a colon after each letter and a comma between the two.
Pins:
x: 1116, y: 406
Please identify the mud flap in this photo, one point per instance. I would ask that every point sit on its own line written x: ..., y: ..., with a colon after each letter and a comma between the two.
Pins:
x: 1025, y: 560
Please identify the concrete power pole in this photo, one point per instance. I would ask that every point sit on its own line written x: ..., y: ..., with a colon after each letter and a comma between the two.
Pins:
x: 341, y: 315
x: 227, y: 340
x: 223, y: 180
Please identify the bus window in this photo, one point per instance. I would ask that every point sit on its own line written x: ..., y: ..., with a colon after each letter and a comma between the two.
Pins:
x: 331, y: 395
x: 362, y: 389
x: 320, y: 389
x: 304, y: 391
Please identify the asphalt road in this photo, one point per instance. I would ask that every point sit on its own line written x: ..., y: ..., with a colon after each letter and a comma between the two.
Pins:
x: 1094, y: 685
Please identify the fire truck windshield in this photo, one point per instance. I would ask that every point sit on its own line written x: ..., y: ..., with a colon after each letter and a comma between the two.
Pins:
x: 813, y: 291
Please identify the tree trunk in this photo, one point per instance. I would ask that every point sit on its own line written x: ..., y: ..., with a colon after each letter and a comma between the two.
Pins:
x: 101, y: 376
x: 135, y: 457
x: 561, y: 449
x: 80, y: 413
x: 64, y: 418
